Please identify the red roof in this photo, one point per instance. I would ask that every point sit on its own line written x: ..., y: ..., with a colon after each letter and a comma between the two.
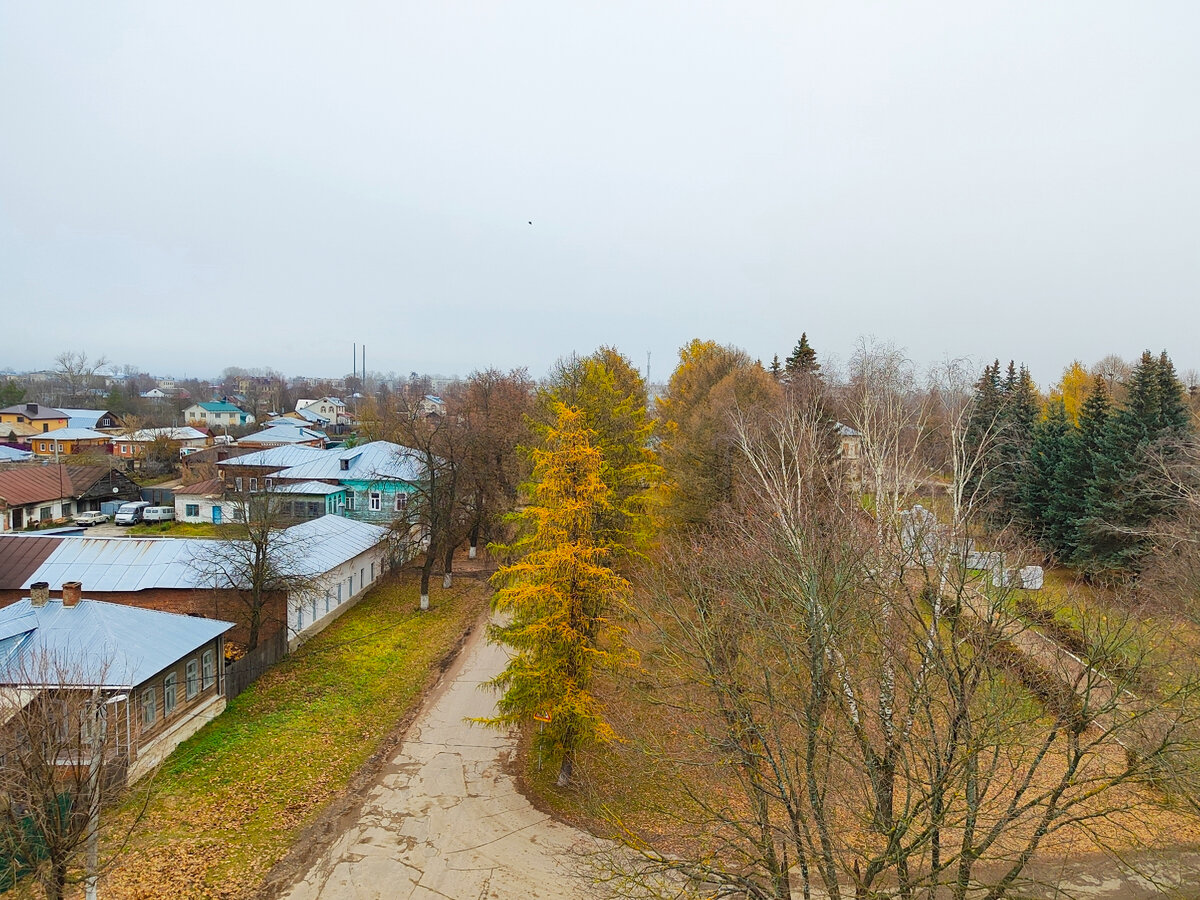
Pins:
x: 20, y: 556
x: 22, y: 485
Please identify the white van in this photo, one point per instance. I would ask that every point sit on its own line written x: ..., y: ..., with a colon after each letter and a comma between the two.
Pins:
x: 158, y: 514
x: 130, y: 513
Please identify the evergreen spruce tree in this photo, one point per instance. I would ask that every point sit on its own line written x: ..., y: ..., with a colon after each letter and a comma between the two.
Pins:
x: 982, y: 432
x: 1037, y: 484
x: 1175, y: 417
x: 1074, y: 472
x: 803, y: 360
x: 1121, y: 499
x: 776, y: 369
x: 1018, y: 413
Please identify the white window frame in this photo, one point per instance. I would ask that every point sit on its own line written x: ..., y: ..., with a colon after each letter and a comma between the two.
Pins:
x: 376, y: 501
x: 170, y: 694
x: 253, y: 485
x: 208, y: 669
x: 401, y: 503
x: 191, y: 679
x: 149, y: 707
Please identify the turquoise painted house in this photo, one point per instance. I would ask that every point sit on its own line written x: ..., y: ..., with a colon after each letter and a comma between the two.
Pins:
x: 380, y: 479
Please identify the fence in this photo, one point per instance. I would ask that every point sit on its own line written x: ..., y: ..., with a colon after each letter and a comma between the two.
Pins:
x: 241, y: 674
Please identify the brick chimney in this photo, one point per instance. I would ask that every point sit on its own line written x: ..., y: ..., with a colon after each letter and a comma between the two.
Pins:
x: 39, y: 593
x: 31, y: 408
x: 71, y: 591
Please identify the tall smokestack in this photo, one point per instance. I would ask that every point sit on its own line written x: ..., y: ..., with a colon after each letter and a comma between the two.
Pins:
x: 71, y: 591
x: 39, y: 593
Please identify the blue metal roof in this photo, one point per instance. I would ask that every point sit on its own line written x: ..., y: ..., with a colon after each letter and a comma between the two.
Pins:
x: 95, y: 643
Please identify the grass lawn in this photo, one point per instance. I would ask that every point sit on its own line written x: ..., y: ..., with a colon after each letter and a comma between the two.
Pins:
x: 179, y: 529
x: 231, y: 801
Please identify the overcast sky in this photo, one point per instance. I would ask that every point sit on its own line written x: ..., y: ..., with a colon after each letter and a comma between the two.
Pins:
x: 261, y: 184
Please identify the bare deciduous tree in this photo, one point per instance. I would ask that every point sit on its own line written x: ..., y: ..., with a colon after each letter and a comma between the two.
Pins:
x: 776, y: 637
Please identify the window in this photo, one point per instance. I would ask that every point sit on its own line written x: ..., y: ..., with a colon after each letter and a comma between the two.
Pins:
x: 350, y: 502
x: 238, y: 515
x: 299, y: 617
x: 401, y: 502
x: 372, y: 571
x: 170, y: 694
x: 237, y: 483
x: 149, y: 707
x: 314, y: 604
x: 45, y: 428
x: 253, y: 484
x: 327, y: 601
x: 314, y: 510
x: 339, y: 593
x: 351, y: 585
x: 210, y: 674
x: 44, y: 514
x: 192, y: 510
x: 66, y: 509
x: 192, y: 680
x: 344, y: 465
x: 59, y: 448
x: 362, y: 576
x: 42, y: 445
x: 270, y: 484
x: 376, y: 501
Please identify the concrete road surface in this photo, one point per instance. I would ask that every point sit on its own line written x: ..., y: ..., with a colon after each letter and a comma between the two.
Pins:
x: 446, y: 820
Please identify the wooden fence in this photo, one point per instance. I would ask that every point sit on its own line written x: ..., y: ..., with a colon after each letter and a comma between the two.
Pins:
x: 241, y: 674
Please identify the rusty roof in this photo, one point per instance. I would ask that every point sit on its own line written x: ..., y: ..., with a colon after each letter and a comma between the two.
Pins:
x: 21, y: 485
x: 213, y: 487
x: 20, y: 557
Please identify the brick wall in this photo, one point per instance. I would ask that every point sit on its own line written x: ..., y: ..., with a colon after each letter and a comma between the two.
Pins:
x: 211, y: 604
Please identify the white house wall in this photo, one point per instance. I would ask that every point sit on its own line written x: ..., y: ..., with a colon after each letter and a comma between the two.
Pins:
x: 335, y: 592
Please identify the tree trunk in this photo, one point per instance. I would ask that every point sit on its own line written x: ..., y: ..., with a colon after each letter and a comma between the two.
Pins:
x: 474, y: 540
x: 448, y: 566
x: 564, y: 770
x: 426, y: 571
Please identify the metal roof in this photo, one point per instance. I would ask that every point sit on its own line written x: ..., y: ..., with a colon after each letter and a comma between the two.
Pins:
x: 281, y: 432
x: 376, y: 461
x: 34, y: 484
x: 278, y: 457
x: 220, y: 406
x: 75, y: 434
x: 95, y: 643
x: 127, y: 564
x: 122, y: 564
x: 184, y: 433
x: 329, y: 541
x: 11, y: 454
x: 307, y: 487
x: 38, y: 411
x: 213, y: 487
x: 20, y: 556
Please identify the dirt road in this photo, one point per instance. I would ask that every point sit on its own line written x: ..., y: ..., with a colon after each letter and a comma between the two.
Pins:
x: 446, y: 819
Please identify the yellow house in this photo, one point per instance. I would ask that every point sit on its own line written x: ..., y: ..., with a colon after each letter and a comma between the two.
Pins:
x: 42, y: 418
x: 65, y: 441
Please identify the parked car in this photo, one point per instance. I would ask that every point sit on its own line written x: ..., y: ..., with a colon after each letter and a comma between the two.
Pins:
x: 158, y: 514
x: 130, y: 513
x: 93, y: 517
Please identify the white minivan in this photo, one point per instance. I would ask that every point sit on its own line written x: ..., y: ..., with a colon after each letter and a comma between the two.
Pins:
x: 158, y: 514
x: 130, y: 513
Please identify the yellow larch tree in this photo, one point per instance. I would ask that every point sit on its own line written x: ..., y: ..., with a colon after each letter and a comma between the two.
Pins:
x: 557, y: 602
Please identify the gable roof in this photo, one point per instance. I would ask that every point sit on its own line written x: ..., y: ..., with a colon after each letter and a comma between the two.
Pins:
x: 281, y: 432
x: 220, y: 406
x: 85, y: 418
x: 95, y: 643
x: 20, y: 556
x: 75, y: 434
x: 279, y: 457
x: 213, y: 487
x: 38, y: 411
x: 130, y: 564
x: 149, y: 435
x: 375, y: 461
